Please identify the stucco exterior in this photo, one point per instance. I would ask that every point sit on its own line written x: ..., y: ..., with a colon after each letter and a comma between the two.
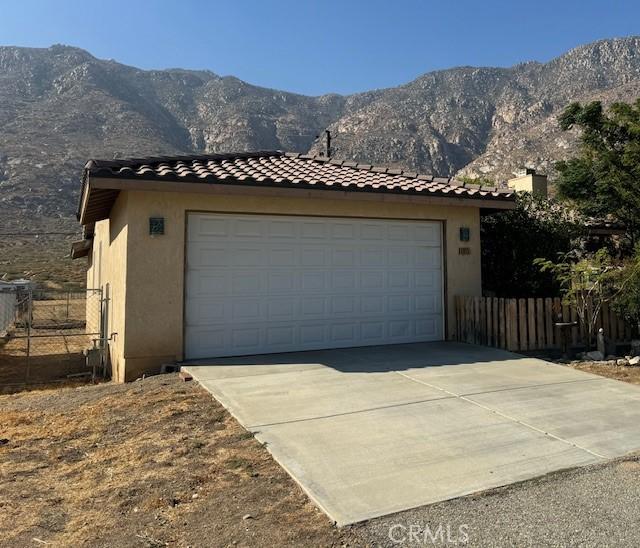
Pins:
x: 531, y: 182
x: 107, y: 271
x: 145, y: 273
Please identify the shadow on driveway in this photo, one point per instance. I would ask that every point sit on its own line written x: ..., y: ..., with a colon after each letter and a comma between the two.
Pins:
x: 372, y: 359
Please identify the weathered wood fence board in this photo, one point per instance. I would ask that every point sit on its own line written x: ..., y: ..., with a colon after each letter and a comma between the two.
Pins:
x: 526, y: 324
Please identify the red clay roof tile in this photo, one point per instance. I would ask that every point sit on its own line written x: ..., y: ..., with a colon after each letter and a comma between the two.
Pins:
x: 289, y: 169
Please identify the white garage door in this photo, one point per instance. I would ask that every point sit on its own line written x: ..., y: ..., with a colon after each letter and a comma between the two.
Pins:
x: 261, y: 284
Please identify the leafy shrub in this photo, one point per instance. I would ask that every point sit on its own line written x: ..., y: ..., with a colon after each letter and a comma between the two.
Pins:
x: 513, y: 240
x: 626, y: 303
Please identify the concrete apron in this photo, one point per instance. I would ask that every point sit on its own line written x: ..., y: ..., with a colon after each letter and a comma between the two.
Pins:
x: 375, y: 430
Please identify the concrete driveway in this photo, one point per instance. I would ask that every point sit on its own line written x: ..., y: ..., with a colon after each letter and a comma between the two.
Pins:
x: 374, y: 430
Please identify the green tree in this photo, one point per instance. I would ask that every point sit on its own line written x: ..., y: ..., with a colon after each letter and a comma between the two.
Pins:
x: 513, y: 240
x: 588, y: 283
x: 604, y: 179
x: 626, y: 303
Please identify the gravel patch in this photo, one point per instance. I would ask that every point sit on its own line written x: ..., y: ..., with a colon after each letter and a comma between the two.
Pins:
x: 593, y: 506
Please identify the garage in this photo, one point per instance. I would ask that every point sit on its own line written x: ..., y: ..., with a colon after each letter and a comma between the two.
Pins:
x: 247, y: 253
x: 259, y: 284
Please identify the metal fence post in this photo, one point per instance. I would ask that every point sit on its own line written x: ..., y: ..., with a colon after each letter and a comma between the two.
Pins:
x: 29, y: 321
x: 104, y: 326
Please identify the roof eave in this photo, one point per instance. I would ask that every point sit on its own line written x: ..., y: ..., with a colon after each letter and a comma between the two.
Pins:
x: 101, y: 192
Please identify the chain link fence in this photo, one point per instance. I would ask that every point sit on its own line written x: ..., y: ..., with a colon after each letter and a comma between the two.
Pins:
x: 50, y: 335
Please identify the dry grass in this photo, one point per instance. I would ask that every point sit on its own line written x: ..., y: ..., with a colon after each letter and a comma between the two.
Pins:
x: 152, y: 463
x: 626, y: 374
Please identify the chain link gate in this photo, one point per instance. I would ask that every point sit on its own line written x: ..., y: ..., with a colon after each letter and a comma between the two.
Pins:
x: 48, y: 335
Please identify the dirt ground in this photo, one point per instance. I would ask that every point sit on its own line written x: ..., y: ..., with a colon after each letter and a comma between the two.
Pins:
x: 159, y: 462
x: 152, y: 463
x: 51, y: 359
x: 627, y: 374
x: 62, y: 330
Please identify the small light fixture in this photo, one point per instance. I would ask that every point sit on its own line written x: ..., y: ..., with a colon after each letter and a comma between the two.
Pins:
x: 465, y: 234
x: 156, y: 226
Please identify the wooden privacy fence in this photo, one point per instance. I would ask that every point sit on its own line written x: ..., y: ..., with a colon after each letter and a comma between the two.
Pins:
x: 526, y: 324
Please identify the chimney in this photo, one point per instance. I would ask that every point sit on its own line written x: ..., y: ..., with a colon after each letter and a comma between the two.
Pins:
x: 527, y: 180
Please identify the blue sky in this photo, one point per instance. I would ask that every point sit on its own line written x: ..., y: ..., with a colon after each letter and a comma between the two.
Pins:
x: 316, y: 47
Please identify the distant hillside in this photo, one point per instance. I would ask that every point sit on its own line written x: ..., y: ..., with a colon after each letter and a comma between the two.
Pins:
x: 486, y: 120
x: 60, y: 106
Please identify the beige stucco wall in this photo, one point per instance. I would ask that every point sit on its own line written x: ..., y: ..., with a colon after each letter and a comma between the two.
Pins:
x: 154, y: 266
x: 107, y: 271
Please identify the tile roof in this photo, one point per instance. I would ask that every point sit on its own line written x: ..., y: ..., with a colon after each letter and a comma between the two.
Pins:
x: 280, y: 169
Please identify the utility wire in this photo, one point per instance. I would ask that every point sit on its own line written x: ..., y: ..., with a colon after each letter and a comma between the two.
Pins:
x: 39, y: 233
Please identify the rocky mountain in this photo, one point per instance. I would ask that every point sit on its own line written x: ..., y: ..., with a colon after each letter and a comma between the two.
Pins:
x: 486, y: 121
x: 60, y: 106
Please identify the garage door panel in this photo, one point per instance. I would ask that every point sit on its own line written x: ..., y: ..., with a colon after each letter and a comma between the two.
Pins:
x: 245, y: 338
x: 199, y: 341
x: 207, y: 283
x: 313, y: 307
x: 372, y: 280
x: 281, y: 281
x: 204, y: 226
x: 373, y: 256
x: 344, y: 333
x: 372, y: 331
x: 199, y: 312
x: 313, y: 334
x: 426, y: 279
x: 283, y: 308
x: 280, y: 229
x: 427, y: 234
x: 246, y: 310
x: 314, y: 230
x: 399, y: 232
x: 400, y: 257
x: 428, y: 257
x: 314, y: 280
x: 313, y: 257
x: 370, y: 231
x: 243, y: 283
x: 372, y: 304
x: 343, y: 305
x: 207, y: 256
x: 428, y: 304
x: 427, y: 327
x: 282, y: 257
x: 247, y: 228
x: 343, y: 231
x: 400, y: 304
x: 257, y: 284
x: 281, y: 336
x: 398, y: 280
x: 345, y: 280
x: 344, y: 257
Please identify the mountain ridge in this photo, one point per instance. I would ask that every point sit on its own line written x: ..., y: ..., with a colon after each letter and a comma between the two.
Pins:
x: 61, y: 105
